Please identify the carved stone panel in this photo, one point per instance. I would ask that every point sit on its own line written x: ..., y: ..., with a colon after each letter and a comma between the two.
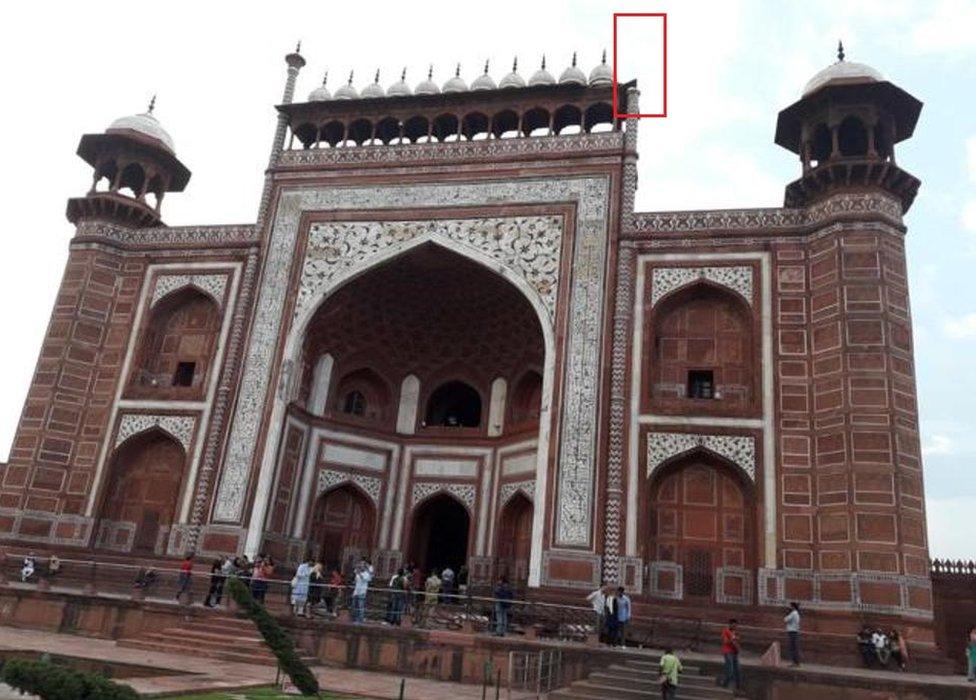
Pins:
x: 425, y: 489
x: 180, y: 427
x: 213, y: 285
x: 508, y: 490
x: 738, y: 449
x: 665, y: 280
x: 333, y: 477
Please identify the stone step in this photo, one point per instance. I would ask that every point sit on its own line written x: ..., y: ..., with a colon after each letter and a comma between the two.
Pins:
x: 177, y: 637
x: 584, y: 690
x: 175, y: 647
x: 652, y: 669
x: 216, y: 633
x: 624, y: 680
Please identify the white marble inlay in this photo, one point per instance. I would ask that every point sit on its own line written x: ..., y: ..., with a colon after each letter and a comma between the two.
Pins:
x: 213, y: 285
x: 350, y: 456
x: 667, y: 279
x: 519, y: 464
x: 445, y: 467
x: 180, y: 427
x: 738, y: 449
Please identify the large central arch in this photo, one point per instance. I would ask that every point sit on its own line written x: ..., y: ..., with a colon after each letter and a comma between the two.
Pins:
x: 538, y: 291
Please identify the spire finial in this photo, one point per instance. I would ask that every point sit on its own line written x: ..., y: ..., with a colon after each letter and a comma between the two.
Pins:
x: 486, y: 66
x: 574, y: 59
x: 376, y: 78
x: 403, y: 74
x: 604, y: 60
x: 515, y: 65
x: 350, y: 77
x: 298, y: 46
x: 152, y: 105
x: 840, y: 50
x: 325, y: 78
x: 430, y: 72
x: 543, y: 61
x: 457, y: 71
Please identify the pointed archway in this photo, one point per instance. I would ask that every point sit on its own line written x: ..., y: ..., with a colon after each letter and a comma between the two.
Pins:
x: 342, y: 527
x: 440, y: 534
x: 141, y: 493
x: 515, y: 539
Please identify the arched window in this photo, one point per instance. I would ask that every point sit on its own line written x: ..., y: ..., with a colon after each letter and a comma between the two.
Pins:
x: 354, y: 403
x: 526, y: 398
x: 821, y: 145
x: 454, y: 404
x: 852, y: 137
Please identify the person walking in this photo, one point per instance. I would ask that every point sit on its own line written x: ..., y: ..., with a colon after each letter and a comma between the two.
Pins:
x: 792, y: 621
x: 364, y: 574
x: 730, y: 654
x: 623, y: 617
x: 670, y: 668
x: 971, y: 655
x: 432, y: 590
x: 398, y: 586
x: 299, y: 588
x: 216, y: 582
x: 611, y: 616
x: 503, y: 601
x: 186, y: 575
x: 598, y: 599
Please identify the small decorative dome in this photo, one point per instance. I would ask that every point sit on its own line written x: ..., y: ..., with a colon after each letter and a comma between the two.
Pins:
x: 573, y: 74
x: 321, y: 93
x: 374, y: 89
x: 456, y: 83
x: 400, y: 88
x: 347, y: 91
x: 842, y: 73
x: 542, y: 76
x: 513, y: 79
x: 427, y: 87
x: 602, y: 75
x: 144, y: 124
x: 484, y: 81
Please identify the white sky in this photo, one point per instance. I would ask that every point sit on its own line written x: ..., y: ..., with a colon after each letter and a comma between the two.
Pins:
x: 70, y: 68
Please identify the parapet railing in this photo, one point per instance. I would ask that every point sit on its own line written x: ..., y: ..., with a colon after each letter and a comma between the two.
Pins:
x: 948, y: 566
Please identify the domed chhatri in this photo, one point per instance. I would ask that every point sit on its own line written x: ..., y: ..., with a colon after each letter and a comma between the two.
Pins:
x: 572, y: 75
x: 374, y: 89
x: 842, y: 73
x: 400, y: 88
x: 347, y: 91
x: 321, y: 93
x: 145, y: 125
x: 484, y: 81
x: 602, y: 75
x: 513, y: 79
x: 427, y: 87
x: 542, y: 76
x: 456, y: 82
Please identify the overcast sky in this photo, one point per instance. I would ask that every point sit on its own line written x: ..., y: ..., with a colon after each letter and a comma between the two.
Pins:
x: 71, y: 68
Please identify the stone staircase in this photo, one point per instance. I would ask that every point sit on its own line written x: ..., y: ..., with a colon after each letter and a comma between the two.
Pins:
x: 216, y: 636
x: 633, y: 679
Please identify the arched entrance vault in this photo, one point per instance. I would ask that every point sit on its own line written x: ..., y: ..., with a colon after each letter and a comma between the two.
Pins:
x: 310, y: 299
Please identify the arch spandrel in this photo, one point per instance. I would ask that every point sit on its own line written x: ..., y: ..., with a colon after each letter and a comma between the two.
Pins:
x: 665, y: 448
x: 666, y: 280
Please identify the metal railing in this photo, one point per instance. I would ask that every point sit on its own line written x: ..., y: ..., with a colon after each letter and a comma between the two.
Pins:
x: 958, y: 567
x: 539, y: 672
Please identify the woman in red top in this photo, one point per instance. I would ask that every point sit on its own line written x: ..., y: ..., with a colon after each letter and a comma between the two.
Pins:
x: 730, y: 652
x: 186, y: 573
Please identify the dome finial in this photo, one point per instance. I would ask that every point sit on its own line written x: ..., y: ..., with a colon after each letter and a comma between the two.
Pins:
x: 515, y: 65
x: 574, y: 59
x: 403, y: 73
x: 604, y: 60
x: 486, y: 66
x: 350, y: 78
x: 543, y: 61
x: 152, y: 105
x: 457, y: 71
x: 376, y: 78
x: 325, y: 78
x: 298, y: 46
x: 840, y: 50
x: 430, y: 72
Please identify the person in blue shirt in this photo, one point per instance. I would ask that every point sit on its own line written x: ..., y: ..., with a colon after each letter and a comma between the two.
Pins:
x: 503, y: 601
x: 623, y: 617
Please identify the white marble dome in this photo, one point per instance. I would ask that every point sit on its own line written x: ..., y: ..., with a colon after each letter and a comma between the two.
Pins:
x: 456, y: 82
x: 321, y: 93
x: 146, y: 125
x: 572, y: 74
x: 347, y: 91
x: 842, y: 72
x: 400, y: 88
x: 374, y: 89
x: 602, y: 75
x: 427, y: 87
x: 484, y: 81
x: 513, y: 79
x: 542, y: 76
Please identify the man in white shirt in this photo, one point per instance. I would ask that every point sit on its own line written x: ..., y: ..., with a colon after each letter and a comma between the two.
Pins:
x: 598, y: 599
x: 364, y: 574
x: 792, y: 621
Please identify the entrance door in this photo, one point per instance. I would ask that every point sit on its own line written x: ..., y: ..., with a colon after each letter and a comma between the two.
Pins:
x: 515, y: 539
x: 440, y: 534
x: 342, y: 520
x: 700, y: 518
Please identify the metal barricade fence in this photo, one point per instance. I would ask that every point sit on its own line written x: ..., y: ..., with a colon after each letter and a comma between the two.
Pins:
x: 538, y: 672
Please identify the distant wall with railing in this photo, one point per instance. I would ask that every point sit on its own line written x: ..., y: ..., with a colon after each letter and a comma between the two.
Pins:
x: 954, y: 605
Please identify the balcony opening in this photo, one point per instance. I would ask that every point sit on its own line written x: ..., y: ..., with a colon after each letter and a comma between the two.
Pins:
x: 183, y: 376
x: 701, y: 384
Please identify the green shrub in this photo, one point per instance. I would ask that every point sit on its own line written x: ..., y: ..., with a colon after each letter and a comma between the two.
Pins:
x: 54, y: 682
x: 277, y: 639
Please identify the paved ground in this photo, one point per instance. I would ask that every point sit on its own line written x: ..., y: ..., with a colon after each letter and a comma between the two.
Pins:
x: 214, y: 675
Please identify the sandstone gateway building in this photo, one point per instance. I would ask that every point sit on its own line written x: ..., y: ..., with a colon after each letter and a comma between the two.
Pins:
x: 449, y: 338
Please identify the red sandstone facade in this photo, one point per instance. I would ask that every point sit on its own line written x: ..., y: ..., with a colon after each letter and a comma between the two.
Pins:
x: 449, y: 338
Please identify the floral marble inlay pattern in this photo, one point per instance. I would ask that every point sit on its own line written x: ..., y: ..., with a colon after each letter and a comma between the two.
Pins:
x: 180, y: 427
x: 526, y: 487
x: 333, y: 477
x: 665, y: 280
x: 425, y: 489
x: 739, y: 449
x: 213, y: 285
